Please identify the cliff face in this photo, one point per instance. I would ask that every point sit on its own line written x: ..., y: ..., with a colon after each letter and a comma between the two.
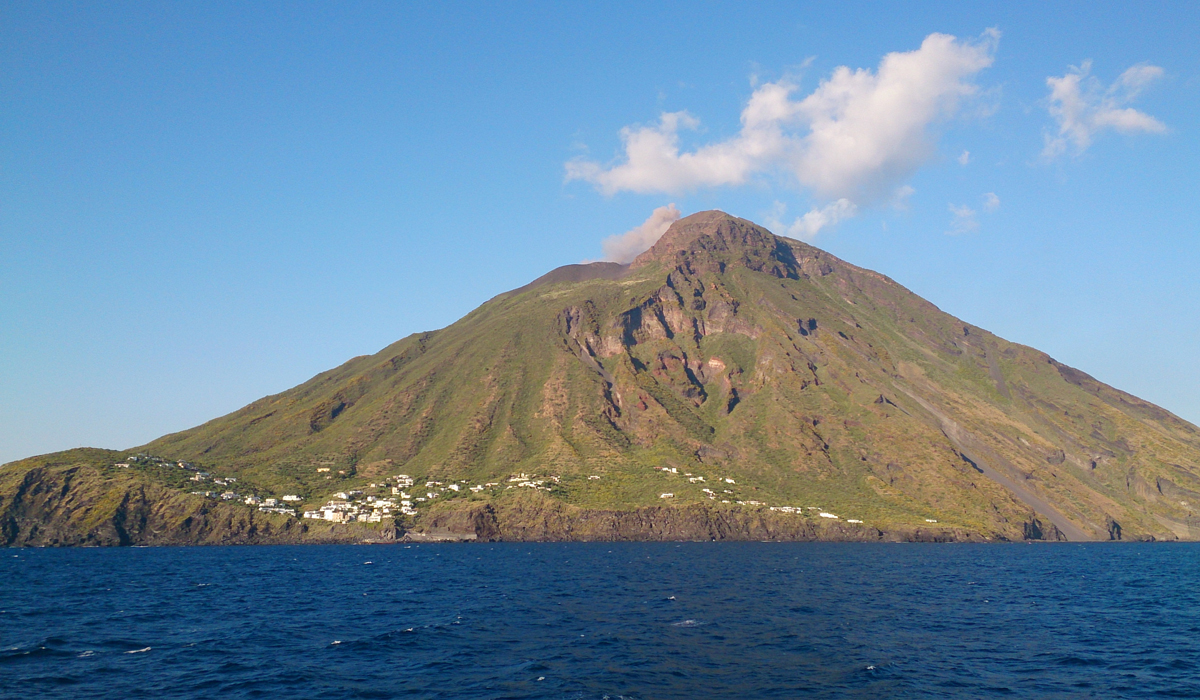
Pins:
x: 724, y: 372
x: 548, y: 520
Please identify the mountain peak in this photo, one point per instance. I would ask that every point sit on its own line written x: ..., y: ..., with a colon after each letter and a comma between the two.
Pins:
x: 714, y: 240
x: 685, y: 232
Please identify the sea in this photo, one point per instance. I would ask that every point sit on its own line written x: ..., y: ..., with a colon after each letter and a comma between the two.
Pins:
x: 603, y: 620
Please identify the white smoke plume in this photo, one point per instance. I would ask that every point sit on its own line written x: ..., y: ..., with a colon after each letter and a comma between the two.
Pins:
x: 623, y: 248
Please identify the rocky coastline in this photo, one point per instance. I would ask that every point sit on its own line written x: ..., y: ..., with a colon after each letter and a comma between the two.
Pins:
x: 74, y: 506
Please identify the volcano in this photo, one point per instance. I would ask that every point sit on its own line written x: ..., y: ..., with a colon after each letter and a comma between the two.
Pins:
x: 727, y: 384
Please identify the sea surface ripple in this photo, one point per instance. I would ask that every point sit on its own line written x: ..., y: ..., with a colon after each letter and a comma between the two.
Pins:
x: 583, y: 621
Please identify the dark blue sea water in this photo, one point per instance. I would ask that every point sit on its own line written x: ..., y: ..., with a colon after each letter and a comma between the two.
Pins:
x: 717, y: 620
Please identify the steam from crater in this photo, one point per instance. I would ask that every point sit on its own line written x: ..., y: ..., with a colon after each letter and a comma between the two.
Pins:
x: 623, y: 248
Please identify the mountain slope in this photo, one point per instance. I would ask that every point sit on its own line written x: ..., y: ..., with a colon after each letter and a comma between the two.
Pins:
x: 735, y: 371
x: 728, y: 352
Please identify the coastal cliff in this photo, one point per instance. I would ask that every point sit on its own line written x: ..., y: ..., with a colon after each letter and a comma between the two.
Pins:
x: 75, y: 498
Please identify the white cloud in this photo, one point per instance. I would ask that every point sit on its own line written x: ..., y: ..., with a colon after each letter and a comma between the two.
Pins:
x: 853, y: 141
x: 964, y: 158
x: 623, y: 248
x: 807, y: 227
x: 964, y: 220
x: 900, y: 197
x: 1083, y: 107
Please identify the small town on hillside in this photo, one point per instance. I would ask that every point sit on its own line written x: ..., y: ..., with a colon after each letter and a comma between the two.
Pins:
x: 401, y: 495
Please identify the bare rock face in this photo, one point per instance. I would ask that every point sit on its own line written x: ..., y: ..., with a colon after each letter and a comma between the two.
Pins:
x: 550, y: 521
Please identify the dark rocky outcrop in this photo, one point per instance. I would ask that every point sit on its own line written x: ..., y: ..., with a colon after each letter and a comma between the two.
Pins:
x: 1113, y: 527
x: 1035, y: 529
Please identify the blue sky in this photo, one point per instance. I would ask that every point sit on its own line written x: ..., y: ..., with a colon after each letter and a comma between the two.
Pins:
x: 201, y: 204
